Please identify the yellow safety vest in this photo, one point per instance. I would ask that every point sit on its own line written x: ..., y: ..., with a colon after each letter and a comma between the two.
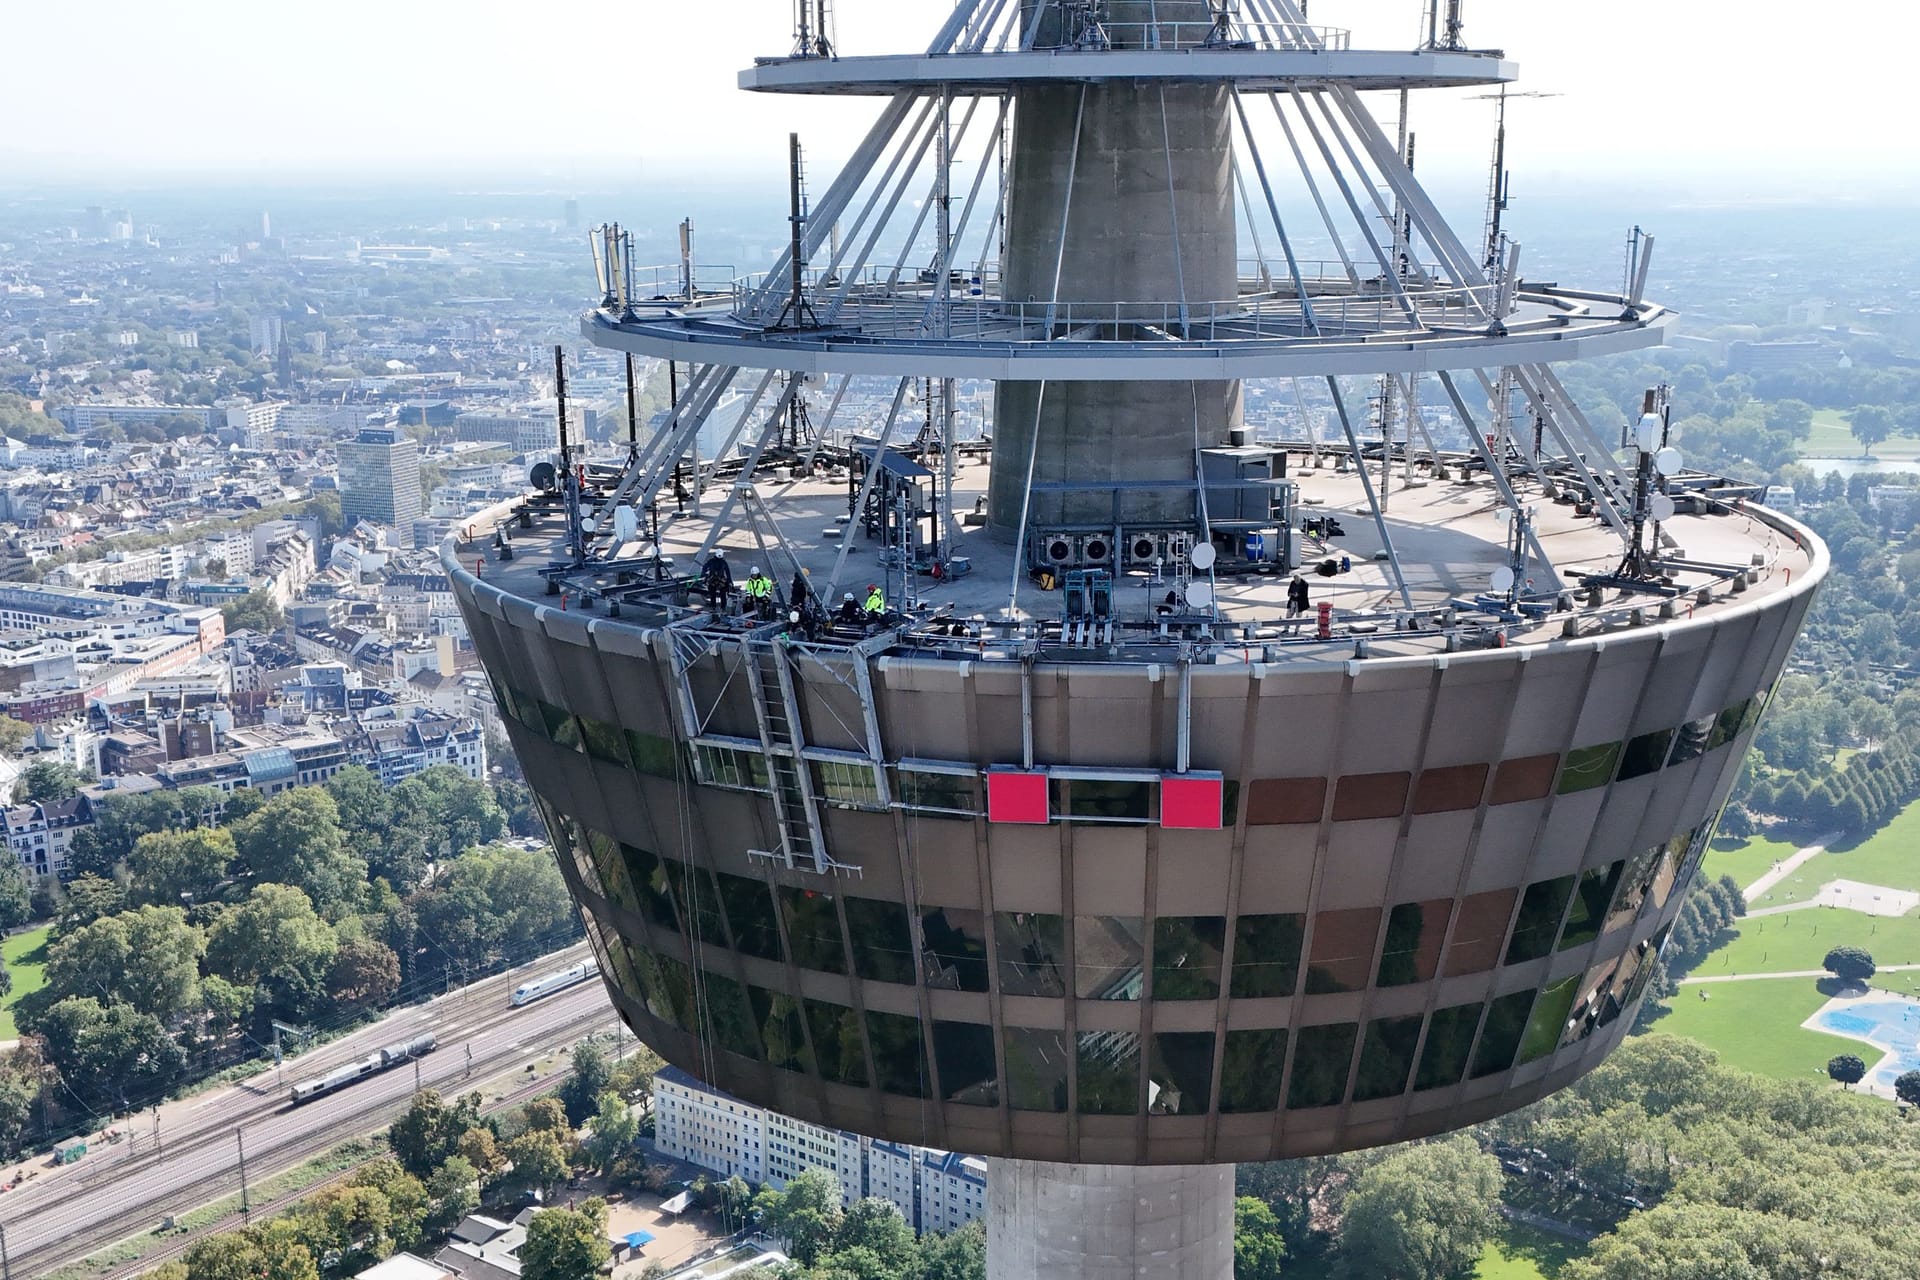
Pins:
x: 759, y: 587
x: 876, y: 603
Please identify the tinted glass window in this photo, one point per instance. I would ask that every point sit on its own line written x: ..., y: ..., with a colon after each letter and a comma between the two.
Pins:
x: 1032, y: 950
x: 604, y: 742
x: 843, y: 782
x: 940, y: 793
x: 882, y: 940
x: 1109, y: 1073
x: 1090, y: 801
x: 1341, y: 958
x: 1666, y: 870
x: 1386, y: 1057
x: 1277, y: 801
x: 813, y: 929
x: 729, y: 767
x: 1186, y: 957
x: 1548, y: 1021
x: 610, y: 870
x: 1415, y: 931
x: 649, y: 878
x: 729, y: 1017
x: 783, y: 1036
x: 898, y: 1056
x: 1250, y: 1070
x: 963, y: 1052
x: 1690, y: 740
x: 836, y: 1042
x: 1500, y: 1038
x: 653, y: 754
x: 1370, y: 795
x: 1038, y: 1064
x: 1539, y: 920
x: 1589, y: 767
x: 669, y: 985
x: 1108, y: 955
x: 699, y: 902
x: 560, y: 725
x: 1180, y: 1073
x: 1321, y: 1057
x: 749, y: 909
x: 1449, y: 1037
x: 1645, y: 754
x: 1266, y: 954
x: 1479, y: 931
x: 1523, y: 778
x: 956, y: 943
x: 1590, y: 905
x: 1446, y: 790
x: 1635, y: 883
x: 1728, y: 725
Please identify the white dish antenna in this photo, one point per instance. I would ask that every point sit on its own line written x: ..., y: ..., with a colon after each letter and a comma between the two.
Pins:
x: 625, y: 524
x: 1661, y: 507
x: 1668, y: 461
x: 1200, y: 594
x: 1647, y: 433
x: 1203, y: 556
x: 1503, y: 579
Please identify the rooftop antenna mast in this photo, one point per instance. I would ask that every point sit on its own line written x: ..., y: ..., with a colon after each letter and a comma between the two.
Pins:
x: 1500, y: 185
x: 686, y: 259
x: 569, y: 478
x: 798, y: 313
x: 811, y: 26
x: 1443, y: 32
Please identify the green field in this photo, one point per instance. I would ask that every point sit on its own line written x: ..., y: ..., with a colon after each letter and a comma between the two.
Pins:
x: 1523, y: 1253
x: 1890, y: 856
x: 1796, y: 940
x: 1755, y: 1026
x: 26, y: 957
x: 1832, y: 439
x: 1746, y: 860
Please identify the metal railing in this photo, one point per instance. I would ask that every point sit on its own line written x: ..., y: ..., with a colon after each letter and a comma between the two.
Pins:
x: 1135, y: 36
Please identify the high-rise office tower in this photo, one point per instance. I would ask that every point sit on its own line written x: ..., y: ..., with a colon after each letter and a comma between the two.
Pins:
x: 380, y: 480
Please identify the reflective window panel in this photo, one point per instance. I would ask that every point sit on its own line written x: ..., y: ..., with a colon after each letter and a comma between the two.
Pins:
x: 813, y: 929
x: 1031, y: 949
x: 1038, y: 1064
x: 1341, y: 958
x: 836, y: 1042
x: 963, y: 1053
x: 1386, y: 1057
x: 1266, y: 955
x: 1109, y: 1073
x: 955, y: 939
x: 1415, y: 931
x: 1321, y: 1057
x: 1538, y: 923
x: 1250, y: 1067
x: 899, y: 1059
x: 1180, y: 1073
x: 1186, y: 957
x: 882, y: 938
x: 1500, y: 1039
x: 1108, y: 958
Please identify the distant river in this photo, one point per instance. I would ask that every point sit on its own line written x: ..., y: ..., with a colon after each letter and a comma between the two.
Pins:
x: 1851, y: 467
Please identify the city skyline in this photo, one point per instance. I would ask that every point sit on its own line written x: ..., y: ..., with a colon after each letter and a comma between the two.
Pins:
x: 1683, y: 97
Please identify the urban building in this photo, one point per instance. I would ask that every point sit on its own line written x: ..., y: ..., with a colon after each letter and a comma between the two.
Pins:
x: 1103, y: 846
x: 380, y: 479
x: 935, y: 1191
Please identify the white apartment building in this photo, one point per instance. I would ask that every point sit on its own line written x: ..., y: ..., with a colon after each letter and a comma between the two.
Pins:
x: 935, y: 1190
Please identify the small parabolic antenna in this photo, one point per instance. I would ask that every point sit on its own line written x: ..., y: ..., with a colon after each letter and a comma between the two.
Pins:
x: 1647, y: 433
x: 1503, y: 579
x: 589, y: 523
x: 544, y: 476
x: 1200, y: 594
x: 1660, y: 507
x: 1203, y: 557
x: 625, y: 524
x: 1668, y: 461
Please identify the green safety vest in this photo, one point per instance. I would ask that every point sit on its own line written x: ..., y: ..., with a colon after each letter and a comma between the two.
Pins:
x: 759, y: 587
x: 876, y: 603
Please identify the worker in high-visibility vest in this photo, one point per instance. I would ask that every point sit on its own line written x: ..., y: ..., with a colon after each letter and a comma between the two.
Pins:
x: 760, y: 592
x: 876, y: 606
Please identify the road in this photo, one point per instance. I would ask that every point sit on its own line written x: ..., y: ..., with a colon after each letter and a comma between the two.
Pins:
x: 120, y: 1190
x: 1788, y: 866
x: 1788, y: 973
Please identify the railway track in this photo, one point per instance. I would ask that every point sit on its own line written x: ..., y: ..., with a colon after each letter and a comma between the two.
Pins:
x: 69, y: 1217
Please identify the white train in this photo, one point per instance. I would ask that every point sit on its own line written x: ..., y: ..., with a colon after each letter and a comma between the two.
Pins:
x: 374, y: 1063
x: 552, y: 982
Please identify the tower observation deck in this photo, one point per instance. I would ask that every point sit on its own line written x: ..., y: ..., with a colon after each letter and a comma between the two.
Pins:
x: 1094, y: 848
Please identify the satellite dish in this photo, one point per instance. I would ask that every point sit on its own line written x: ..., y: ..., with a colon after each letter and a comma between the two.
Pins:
x: 1503, y: 579
x: 625, y: 524
x: 1661, y: 508
x: 589, y: 523
x: 1203, y: 556
x: 1200, y: 595
x: 544, y: 476
x: 1647, y: 433
x: 1668, y: 461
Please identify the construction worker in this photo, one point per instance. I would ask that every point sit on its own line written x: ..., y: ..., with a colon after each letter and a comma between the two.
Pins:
x: 876, y: 606
x: 760, y: 593
x: 849, y: 610
x: 716, y: 577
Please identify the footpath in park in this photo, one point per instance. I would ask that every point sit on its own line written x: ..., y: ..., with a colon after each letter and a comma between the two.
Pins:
x: 1790, y: 973
x: 1781, y: 870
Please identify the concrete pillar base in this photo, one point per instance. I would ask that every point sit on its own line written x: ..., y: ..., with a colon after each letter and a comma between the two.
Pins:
x: 1109, y: 1222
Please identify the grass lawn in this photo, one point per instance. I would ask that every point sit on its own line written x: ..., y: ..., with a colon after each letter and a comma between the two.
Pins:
x: 1522, y: 1253
x: 1746, y: 860
x: 1755, y: 1026
x: 26, y: 956
x: 1890, y: 856
x: 1831, y: 438
x: 1800, y: 940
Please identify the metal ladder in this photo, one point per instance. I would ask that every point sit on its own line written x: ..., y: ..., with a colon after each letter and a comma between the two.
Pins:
x: 802, y: 845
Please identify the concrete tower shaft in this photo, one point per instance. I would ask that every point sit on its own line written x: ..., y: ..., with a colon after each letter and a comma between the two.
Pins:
x: 1137, y: 180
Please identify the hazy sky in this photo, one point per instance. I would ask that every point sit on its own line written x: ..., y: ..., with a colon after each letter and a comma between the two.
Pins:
x: 1761, y: 97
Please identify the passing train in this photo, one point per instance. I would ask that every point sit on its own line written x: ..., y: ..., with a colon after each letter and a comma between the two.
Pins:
x: 532, y: 990
x: 373, y: 1064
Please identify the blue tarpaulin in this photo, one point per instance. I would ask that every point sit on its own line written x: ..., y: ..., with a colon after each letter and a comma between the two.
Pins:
x: 637, y: 1238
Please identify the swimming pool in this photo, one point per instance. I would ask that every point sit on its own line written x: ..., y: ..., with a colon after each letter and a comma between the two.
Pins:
x: 1888, y: 1022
